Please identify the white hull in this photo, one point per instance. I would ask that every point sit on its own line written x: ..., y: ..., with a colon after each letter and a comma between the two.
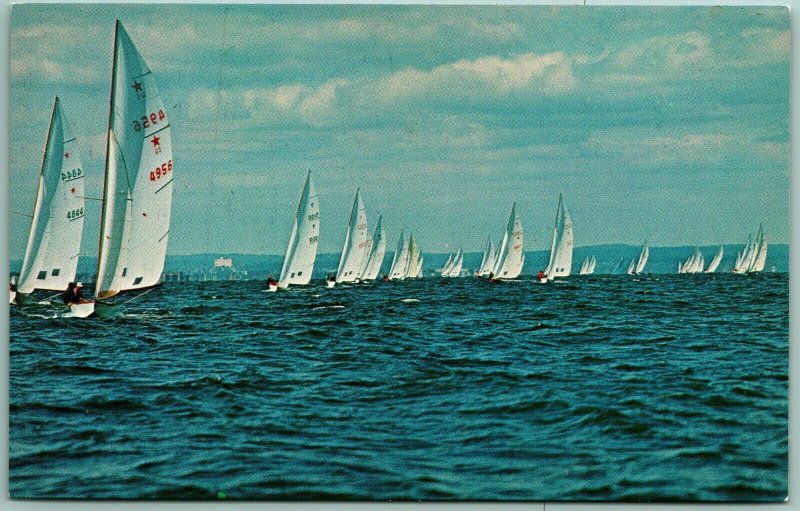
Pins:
x: 330, y: 283
x: 544, y: 280
x: 12, y: 296
x: 80, y: 310
x: 271, y: 288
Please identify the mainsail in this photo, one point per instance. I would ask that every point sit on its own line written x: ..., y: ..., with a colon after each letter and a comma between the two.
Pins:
x: 511, y: 257
x: 413, y: 258
x: 631, y: 267
x: 54, y: 240
x: 560, y: 264
x: 355, y: 249
x: 302, y: 249
x: 137, y: 191
x: 712, y: 267
x: 447, y: 266
x: 643, y: 256
x: 458, y: 262
x: 761, y: 251
x: 375, y: 260
x: 400, y: 261
x: 487, y: 263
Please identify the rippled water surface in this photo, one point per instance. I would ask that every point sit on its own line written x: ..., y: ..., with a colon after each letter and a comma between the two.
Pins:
x: 606, y: 387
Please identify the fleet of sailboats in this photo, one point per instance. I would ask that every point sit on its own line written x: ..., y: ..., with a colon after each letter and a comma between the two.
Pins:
x: 136, y: 210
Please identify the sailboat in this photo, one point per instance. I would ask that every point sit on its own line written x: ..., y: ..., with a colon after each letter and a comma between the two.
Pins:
x: 400, y: 262
x: 560, y: 264
x: 457, y: 264
x: 588, y: 265
x: 447, y: 266
x: 643, y: 257
x: 487, y: 263
x: 137, y: 188
x: 301, y: 252
x: 754, y: 256
x: 511, y: 256
x: 631, y: 267
x: 694, y: 264
x: 355, y: 249
x: 414, y: 256
x: 712, y: 267
x: 377, y: 251
x: 54, y: 239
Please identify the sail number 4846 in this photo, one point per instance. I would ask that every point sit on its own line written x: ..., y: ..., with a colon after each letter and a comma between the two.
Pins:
x: 147, y: 120
x: 161, y: 171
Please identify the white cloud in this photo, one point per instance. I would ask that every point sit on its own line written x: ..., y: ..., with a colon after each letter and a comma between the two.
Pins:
x: 39, y: 68
x: 676, y: 51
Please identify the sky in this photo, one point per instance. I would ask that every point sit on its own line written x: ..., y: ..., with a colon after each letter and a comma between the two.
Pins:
x: 665, y: 124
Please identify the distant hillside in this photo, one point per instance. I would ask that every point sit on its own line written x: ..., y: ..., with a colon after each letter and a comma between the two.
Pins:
x: 662, y: 260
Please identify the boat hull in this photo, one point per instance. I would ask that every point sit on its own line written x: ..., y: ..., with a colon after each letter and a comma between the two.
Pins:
x: 80, y: 310
x: 543, y: 280
x: 330, y: 283
x: 271, y: 288
x: 12, y: 297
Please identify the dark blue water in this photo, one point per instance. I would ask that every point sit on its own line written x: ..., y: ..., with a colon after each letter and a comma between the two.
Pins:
x: 606, y: 387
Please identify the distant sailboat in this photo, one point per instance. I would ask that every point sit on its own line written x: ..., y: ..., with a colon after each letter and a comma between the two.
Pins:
x: 643, y: 257
x: 447, y: 266
x: 378, y: 250
x: 487, y: 263
x: 588, y: 265
x: 754, y: 256
x: 511, y: 256
x: 413, y: 258
x: 355, y: 249
x: 694, y: 264
x: 631, y: 267
x: 400, y: 261
x: 137, y: 191
x: 458, y: 262
x: 560, y: 264
x: 54, y: 240
x: 712, y: 267
x: 301, y: 252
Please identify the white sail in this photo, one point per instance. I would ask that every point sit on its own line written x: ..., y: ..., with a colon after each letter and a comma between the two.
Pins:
x: 458, y: 262
x: 54, y: 240
x: 592, y: 266
x: 511, y: 257
x: 137, y: 196
x: 737, y: 266
x: 413, y: 257
x: 760, y: 251
x: 642, y: 259
x: 421, y: 272
x: 487, y: 263
x: 447, y: 266
x: 712, y: 267
x: 301, y: 251
x: 631, y: 267
x: 400, y: 261
x: 355, y: 248
x: 747, y: 257
x: 378, y: 250
x: 560, y: 264
x: 584, y: 266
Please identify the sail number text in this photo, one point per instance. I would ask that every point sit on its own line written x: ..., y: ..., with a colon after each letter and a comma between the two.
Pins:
x: 75, y: 213
x: 161, y: 171
x: 313, y: 239
x: 146, y: 120
x: 71, y: 174
x: 313, y: 216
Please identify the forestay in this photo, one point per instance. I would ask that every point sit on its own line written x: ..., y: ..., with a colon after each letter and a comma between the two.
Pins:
x: 54, y: 240
x: 137, y: 196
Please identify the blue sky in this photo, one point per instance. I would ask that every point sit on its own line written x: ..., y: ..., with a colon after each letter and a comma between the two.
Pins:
x: 665, y: 124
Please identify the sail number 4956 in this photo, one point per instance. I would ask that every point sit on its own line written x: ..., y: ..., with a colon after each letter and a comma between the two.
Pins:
x: 161, y: 171
x: 147, y: 120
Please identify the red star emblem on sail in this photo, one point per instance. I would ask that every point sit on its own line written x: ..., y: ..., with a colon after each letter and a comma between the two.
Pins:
x: 72, y: 189
x: 156, y: 141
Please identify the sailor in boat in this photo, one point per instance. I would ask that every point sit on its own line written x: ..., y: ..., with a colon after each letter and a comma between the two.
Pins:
x: 271, y: 282
x: 74, y: 294
x: 386, y: 277
x: 540, y: 276
x: 331, y: 280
